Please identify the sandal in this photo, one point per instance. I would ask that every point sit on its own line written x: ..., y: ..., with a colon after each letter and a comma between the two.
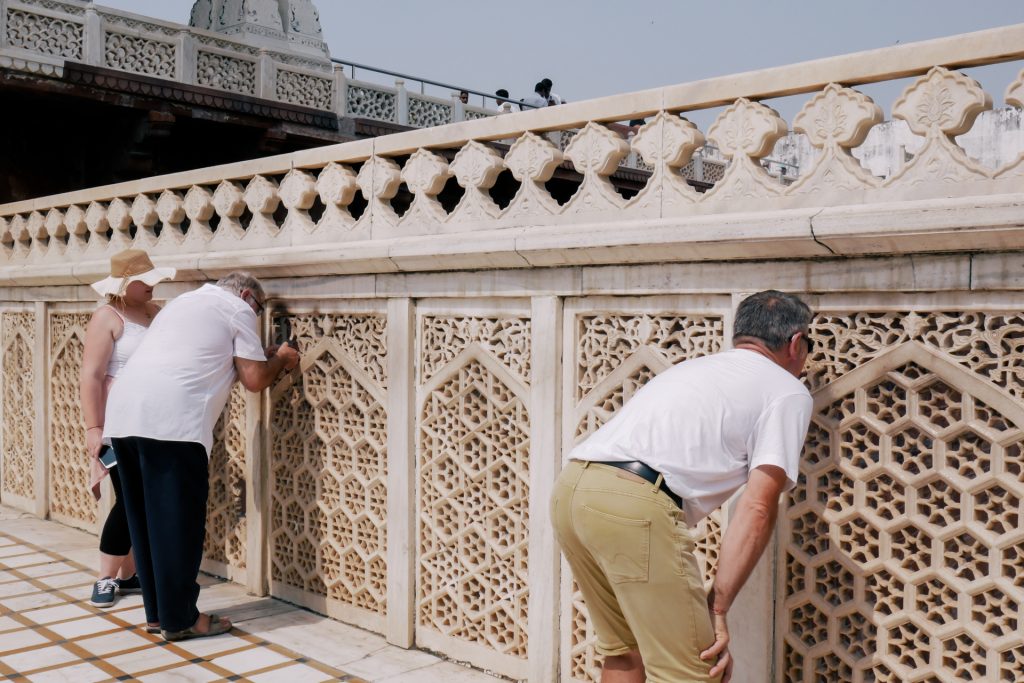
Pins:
x: 216, y: 626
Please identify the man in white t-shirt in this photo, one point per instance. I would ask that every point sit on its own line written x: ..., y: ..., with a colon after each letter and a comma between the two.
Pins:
x: 160, y: 416
x: 624, y: 505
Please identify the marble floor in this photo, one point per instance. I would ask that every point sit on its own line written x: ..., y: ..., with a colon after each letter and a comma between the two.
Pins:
x: 50, y: 632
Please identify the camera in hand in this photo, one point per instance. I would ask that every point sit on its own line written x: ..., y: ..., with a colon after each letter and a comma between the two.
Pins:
x: 283, y: 335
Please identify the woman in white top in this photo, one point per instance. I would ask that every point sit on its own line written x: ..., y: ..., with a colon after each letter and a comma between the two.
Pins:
x: 114, y: 332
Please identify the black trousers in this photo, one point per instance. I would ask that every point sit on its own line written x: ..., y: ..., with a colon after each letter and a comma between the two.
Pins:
x: 115, y: 539
x: 165, y: 485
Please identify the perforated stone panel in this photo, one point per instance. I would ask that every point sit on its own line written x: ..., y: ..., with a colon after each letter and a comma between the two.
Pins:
x: 71, y: 500
x: 19, y: 414
x: 371, y: 103
x: 225, y: 508
x: 328, y: 478
x: 614, y: 355
x: 902, y: 552
x: 44, y: 34
x: 473, y: 454
x: 139, y: 55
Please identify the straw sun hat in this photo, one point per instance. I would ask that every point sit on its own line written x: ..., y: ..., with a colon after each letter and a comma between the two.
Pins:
x: 129, y: 266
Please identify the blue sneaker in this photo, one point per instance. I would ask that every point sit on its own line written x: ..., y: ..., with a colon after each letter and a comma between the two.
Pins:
x: 129, y: 586
x: 104, y: 592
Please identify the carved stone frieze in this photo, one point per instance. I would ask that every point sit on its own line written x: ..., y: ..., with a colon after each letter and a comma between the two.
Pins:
x: 304, y: 89
x: 226, y: 73
x: 139, y: 55
x: 45, y: 34
x: 371, y: 103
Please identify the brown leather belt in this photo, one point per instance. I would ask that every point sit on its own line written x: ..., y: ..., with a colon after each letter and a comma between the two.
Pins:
x: 649, y: 474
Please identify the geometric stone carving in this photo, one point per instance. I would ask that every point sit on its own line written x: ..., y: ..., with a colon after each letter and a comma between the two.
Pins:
x: 225, y: 507
x: 17, y: 339
x: 474, y: 498
x: 140, y: 55
x: 44, y: 34
x: 476, y: 167
x: 328, y: 481
x: 596, y: 153
x: 533, y: 161
x: 71, y: 501
x: 903, y: 530
x: 443, y: 338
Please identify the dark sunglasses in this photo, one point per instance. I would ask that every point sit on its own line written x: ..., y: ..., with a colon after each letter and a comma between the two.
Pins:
x: 260, y: 307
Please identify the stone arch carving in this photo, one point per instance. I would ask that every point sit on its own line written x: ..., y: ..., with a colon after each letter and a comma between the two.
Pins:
x: 18, y: 379
x: 901, y: 551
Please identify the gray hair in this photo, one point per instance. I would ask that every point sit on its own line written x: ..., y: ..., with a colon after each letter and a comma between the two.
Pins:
x: 771, y: 316
x: 238, y: 280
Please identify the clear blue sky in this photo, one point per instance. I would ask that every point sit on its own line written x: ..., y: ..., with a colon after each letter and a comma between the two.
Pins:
x: 591, y: 48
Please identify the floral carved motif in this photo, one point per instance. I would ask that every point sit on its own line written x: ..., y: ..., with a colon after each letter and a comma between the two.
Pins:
x: 533, y: 161
x: 139, y: 55
x: 667, y: 144
x: 379, y: 179
x: 45, y: 35
x: 838, y: 115
x: 226, y: 73
x: 425, y: 174
x: 305, y: 89
x: 337, y: 187
x: 747, y: 129
x: 476, y: 167
x: 17, y: 336
x: 596, y: 152
x: 942, y: 100
x: 507, y: 339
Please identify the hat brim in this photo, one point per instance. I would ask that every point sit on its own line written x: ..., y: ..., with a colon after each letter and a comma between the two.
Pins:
x: 116, y: 285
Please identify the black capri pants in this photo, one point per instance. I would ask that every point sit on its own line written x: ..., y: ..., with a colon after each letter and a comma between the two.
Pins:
x: 115, y: 538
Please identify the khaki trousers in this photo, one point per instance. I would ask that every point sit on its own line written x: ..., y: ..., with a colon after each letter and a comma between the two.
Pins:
x: 631, y: 554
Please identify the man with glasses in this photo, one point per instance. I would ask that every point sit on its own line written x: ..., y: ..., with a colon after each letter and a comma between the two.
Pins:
x: 625, y: 504
x: 160, y: 416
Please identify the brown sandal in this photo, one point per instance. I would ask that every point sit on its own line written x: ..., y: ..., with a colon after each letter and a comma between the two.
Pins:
x: 217, y: 626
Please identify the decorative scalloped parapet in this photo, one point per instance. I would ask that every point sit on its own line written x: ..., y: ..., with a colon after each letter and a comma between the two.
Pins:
x: 476, y: 167
x: 199, y: 209
x: 596, y: 153
x: 666, y: 143
x: 298, y: 193
x: 170, y: 209
x: 836, y: 120
x: 144, y: 216
x: 941, y: 105
x: 337, y: 186
x: 378, y: 180
x: 747, y: 129
x: 78, y: 231
x: 262, y: 197
x: 533, y: 161
x: 96, y: 220
x: 744, y: 133
x: 1015, y: 91
x: 425, y: 174
x: 942, y: 100
x: 229, y: 202
x: 120, y: 221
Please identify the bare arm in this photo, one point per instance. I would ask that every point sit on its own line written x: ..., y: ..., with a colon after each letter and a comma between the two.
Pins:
x: 257, y: 375
x: 99, y: 344
x: 745, y: 539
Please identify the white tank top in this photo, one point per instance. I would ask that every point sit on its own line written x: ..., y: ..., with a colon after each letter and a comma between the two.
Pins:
x: 125, y: 345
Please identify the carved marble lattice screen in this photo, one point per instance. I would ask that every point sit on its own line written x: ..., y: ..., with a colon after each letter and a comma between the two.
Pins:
x: 612, y: 355
x: 19, y: 417
x: 902, y: 554
x: 328, y: 478
x: 71, y: 501
x: 473, y: 449
x: 224, y: 548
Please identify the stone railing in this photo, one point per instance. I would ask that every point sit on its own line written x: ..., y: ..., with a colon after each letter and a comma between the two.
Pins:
x: 39, y: 36
x: 455, y: 349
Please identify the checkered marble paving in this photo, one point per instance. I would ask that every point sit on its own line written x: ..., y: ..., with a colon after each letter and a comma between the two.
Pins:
x: 50, y: 632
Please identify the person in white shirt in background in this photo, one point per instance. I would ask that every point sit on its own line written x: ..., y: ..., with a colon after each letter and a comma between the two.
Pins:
x: 625, y: 503
x: 160, y: 416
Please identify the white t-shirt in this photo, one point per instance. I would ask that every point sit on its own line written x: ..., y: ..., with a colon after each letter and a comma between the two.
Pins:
x: 705, y: 423
x: 175, y: 385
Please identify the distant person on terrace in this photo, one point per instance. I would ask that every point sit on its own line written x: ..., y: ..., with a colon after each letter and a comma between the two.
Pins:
x: 625, y: 505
